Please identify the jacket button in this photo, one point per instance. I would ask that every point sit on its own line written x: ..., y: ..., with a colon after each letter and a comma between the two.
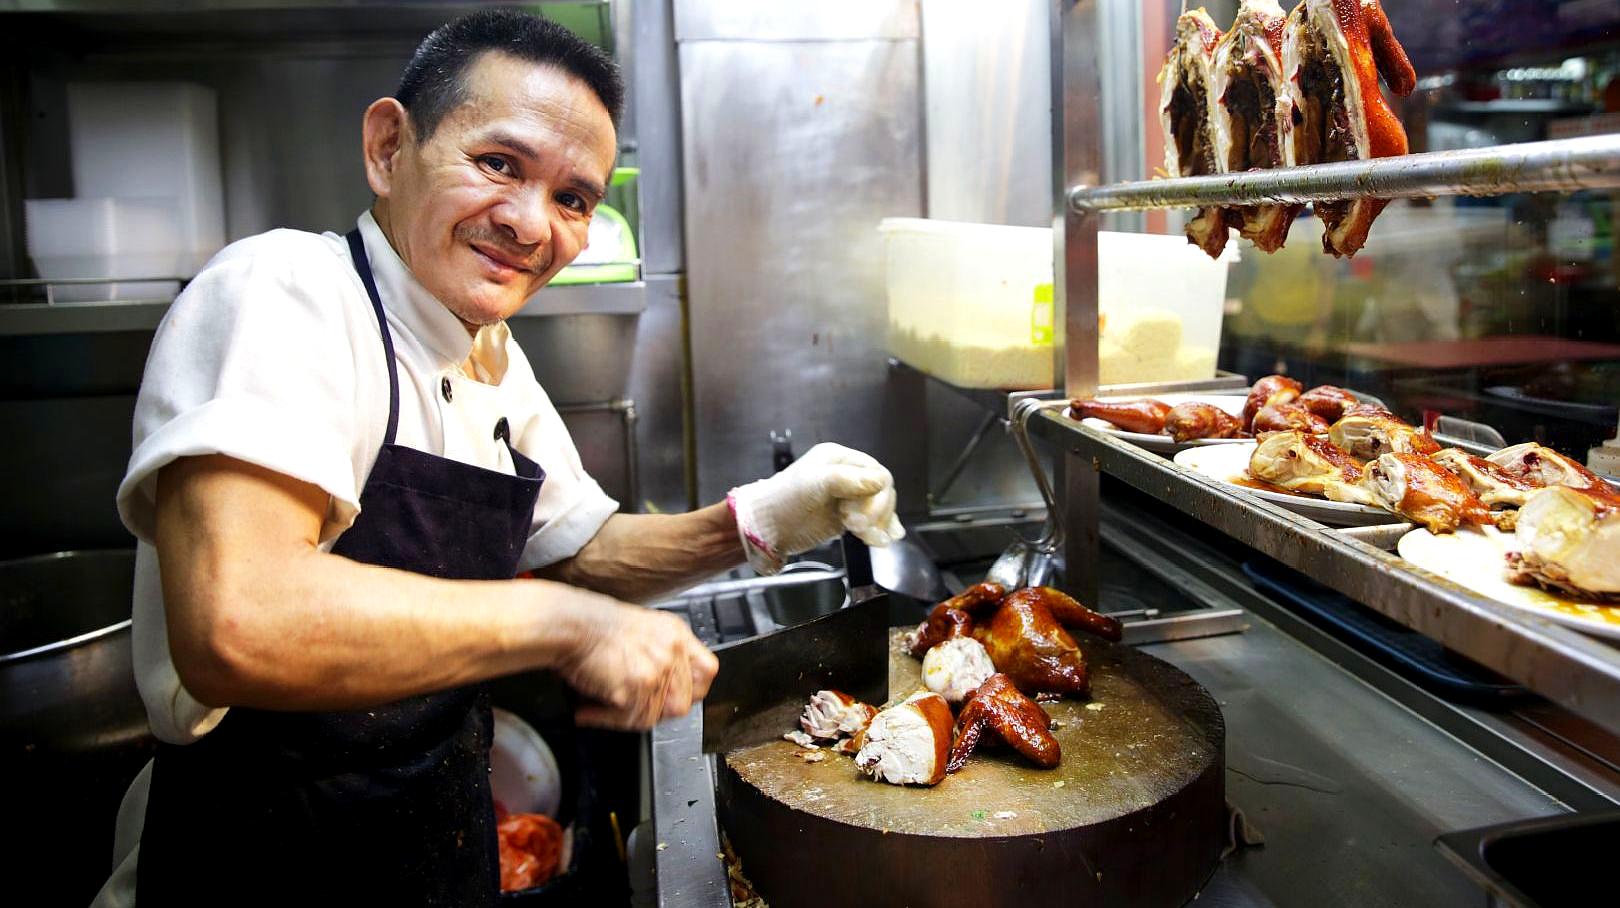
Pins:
x: 444, y: 388
x: 503, y: 431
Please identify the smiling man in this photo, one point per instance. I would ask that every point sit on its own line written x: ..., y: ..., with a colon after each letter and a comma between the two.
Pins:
x: 341, y: 462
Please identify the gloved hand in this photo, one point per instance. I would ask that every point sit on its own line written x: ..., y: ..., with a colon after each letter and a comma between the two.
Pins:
x: 830, y: 489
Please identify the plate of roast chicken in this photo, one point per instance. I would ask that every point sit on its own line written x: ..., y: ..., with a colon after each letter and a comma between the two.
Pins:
x: 989, y: 656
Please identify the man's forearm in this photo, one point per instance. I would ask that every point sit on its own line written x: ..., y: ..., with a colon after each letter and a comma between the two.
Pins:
x: 640, y: 556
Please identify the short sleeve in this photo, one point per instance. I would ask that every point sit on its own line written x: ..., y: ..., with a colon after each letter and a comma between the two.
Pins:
x: 572, y: 507
x: 256, y: 361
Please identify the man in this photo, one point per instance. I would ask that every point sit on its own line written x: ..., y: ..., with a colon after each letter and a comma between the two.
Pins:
x: 342, y: 460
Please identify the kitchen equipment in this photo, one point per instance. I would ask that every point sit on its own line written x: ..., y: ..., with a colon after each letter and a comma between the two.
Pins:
x: 904, y: 567
x: 1230, y: 464
x: 1038, y: 563
x: 92, y: 241
x: 138, y: 139
x: 796, y: 603
x: 523, y: 772
x: 1539, y: 863
x: 1134, y: 814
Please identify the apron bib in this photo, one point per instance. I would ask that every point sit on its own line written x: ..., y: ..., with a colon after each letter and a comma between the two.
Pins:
x: 384, y: 806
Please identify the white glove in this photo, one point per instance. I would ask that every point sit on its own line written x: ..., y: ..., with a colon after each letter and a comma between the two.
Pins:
x: 830, y: 489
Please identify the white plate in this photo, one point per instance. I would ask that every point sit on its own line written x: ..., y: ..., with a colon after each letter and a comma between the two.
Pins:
x: 1230, y: 463
x: 523, y: 773
x: 1478, y: 561
x: 1164, y: 444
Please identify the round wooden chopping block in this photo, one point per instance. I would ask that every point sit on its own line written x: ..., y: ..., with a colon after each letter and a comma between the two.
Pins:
x: 1134, y: 815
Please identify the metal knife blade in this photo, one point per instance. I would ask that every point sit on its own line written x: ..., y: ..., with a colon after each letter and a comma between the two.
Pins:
x: 764, y: 682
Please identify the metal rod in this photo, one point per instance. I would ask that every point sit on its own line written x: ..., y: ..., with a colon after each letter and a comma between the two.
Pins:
x: 1561, y: 165
x: 955, y: 472
x: 626, y: 408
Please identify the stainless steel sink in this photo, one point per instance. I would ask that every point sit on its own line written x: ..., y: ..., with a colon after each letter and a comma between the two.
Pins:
x: 739, y: 607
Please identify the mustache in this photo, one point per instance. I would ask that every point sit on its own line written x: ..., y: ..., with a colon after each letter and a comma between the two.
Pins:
x: 528, y: 258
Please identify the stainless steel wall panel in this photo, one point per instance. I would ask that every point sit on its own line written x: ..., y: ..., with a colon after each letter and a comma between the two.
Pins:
x: 795, y: 20
x: 793, y: 151
x: 654, y: 79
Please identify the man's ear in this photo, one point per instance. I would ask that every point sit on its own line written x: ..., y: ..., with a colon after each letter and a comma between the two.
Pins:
x: 383, y: 133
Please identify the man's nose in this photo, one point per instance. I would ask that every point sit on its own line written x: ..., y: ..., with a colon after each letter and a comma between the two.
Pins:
x: 527, y: 217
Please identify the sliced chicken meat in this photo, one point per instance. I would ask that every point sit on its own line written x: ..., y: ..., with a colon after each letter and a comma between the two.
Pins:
x: 1193, y: 420
x: 833, y: 714
x: 1546, y: 467
x: 955, y: 669
x: 1371, y: 432
x: 1002, y: 710
x: 1286, y: 416
x: 1569, y: 540
x: 1424, y: 492
x: 1328, y: 401
x: 1333, y: 54
x: 1186, y: 103
x: 1311, y: 465
x: 908, y: 743
x: 1491, y: 483
x: 1252, y: 117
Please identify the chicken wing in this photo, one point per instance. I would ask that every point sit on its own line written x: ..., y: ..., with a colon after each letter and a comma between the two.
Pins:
x: 1371, y: 431
x: 1333, y: 53
x: 1493, y: 484
x: 1546, y: 467
x: 1252, y: 117
x: 1424, y: 492
x: 1145, y: 416
x: 1273, y: 389
x: 1190, y: 421
x: 908, y: 743
x: 1569, y: 540
x: 1007, y: 713
x: 1309, y: 464
x: 1283, y: 417
x: 953, y: 617
x: 1186, y: 102
x: 1328, y: 401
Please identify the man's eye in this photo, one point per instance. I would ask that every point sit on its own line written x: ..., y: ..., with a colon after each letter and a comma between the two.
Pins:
x: 496, y: 164
x: 573, y: 201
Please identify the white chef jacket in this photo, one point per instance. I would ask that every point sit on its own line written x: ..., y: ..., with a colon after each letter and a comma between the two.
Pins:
x: 272, y: 355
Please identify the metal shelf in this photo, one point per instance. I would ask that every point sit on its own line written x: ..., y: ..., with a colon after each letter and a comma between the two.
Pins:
x: 1570, y: 668
x: 1562, y: 165
x: 1002, y: 403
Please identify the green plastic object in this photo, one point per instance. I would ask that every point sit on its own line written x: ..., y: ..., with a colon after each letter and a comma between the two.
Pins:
x: 623, y: 175
x: 626, y: 267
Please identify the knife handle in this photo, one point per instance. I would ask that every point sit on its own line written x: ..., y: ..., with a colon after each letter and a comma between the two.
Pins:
x: 857, y: 562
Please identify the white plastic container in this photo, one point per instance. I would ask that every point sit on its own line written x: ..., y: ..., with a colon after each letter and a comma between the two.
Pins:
x: 972, y: 304
x: 152, y: 139
x: 106, y: 238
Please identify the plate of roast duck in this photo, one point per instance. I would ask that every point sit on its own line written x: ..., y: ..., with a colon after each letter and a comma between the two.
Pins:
x: 1167, y: 423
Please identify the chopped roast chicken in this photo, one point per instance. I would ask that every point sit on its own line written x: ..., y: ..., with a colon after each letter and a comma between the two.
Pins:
x: 1273, y: 389
x: 1493, y: 485
x: 1186, y: 101
x: 1368, y: 432
x: 1027, y: 641
x: 1328, y: 402
x: 833, y: 714
x: 1309, y: 464
x: 1253, y: 113
x: 1283, y: 417
x: 1145, y: 416
x: 1569, y: 540
x: 955, y: 669
x: 1001, y: 708
x: 1193, y: 420
x: 908, y: 743
x: 1546, y: 467
x: 1333, y: 53
x: 1424, y: 492
x: 954, y: 617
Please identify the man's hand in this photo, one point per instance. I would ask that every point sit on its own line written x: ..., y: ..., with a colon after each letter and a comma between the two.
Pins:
x: 638, y: 667
x: 830, y: 489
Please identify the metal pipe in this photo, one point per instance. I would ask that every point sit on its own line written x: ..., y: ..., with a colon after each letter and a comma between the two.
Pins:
x: 626, y: 408
x: 962, y: 458
x: 1561, y: 165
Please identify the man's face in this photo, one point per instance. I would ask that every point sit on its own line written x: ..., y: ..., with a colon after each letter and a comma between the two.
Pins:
x: 498, y: 200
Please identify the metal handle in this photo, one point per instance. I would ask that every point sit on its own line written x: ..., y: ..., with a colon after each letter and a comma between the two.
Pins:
x: 1052, y: 533
x: 858, y: 568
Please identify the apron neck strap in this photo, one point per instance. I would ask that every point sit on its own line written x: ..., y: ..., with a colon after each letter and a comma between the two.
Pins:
x: 362, y: 265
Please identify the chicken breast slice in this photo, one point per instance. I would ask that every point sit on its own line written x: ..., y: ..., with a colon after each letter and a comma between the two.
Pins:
x: 955, y: 669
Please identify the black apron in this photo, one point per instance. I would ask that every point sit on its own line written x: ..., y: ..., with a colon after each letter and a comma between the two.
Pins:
x: 384, y: 806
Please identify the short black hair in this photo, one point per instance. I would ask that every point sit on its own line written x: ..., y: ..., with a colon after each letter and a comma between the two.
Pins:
x: 433, y: 85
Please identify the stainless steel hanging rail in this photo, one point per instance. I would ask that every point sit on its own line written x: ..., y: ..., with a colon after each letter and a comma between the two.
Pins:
x: 1562, y: 165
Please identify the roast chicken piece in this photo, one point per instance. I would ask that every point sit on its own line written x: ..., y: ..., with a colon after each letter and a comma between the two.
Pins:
x: 1027, y: 641
x: 1368, y: 432
x: 1273, y: 389
x: 1186, y: 104
x: 1001, y: 708
x: 1569, y: 540
x: 1282, y: 417
x: 1545, y: 467
x: 955, y: 669
x: 1309, y: 464
x: 1492, y: 484
x: 833, y: 714
x: 1424, y: 492
x: 908, y: 743
x: 1145, y: 416
x: 1333, y: 53
x: 1328, y: 401
x: 1193, y: 420
x: 1253, y: 114
x: 953, y: 617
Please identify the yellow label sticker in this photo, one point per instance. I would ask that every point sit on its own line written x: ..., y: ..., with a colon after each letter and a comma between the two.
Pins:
x: 1040, y: 316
